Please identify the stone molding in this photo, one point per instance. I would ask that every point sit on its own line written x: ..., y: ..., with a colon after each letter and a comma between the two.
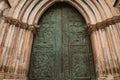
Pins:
x: 19, y: 23
x: 103, y: 24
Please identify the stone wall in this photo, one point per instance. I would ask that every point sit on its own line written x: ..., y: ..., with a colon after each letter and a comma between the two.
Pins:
x: 116, y: 4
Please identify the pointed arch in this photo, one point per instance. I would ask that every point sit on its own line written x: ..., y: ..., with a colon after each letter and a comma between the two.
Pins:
x: 34, y: 10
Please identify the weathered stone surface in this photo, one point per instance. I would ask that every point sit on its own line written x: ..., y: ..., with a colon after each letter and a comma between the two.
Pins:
x: 117, y: 3
x: 13, y: 3
x: 3, y: 5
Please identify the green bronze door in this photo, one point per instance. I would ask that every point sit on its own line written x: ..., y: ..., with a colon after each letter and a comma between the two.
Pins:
x: 61, y: 47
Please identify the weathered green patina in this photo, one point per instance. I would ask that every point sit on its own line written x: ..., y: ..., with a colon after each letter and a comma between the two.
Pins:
x: 61, y: 48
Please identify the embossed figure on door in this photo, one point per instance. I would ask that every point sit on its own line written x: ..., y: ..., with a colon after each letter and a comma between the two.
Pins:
x: 61, y: 47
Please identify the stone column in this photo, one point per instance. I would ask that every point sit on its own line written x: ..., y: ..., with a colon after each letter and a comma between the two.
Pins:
x: 15, y: 48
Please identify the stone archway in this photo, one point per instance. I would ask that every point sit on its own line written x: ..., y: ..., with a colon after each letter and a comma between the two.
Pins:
x: 61, y: 49
x: 16, y: 43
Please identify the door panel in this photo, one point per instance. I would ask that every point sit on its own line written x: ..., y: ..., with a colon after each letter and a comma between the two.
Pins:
x: 45, y: 52
x: 75, y: 46
x: 61, y: 48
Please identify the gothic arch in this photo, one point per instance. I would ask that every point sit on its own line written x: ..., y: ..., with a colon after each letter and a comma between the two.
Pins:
x: 94, y: 11
x: 91, y: 10
x: 38, y: 9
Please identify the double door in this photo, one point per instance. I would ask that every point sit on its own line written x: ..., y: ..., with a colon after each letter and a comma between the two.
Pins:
x: 61, y: 48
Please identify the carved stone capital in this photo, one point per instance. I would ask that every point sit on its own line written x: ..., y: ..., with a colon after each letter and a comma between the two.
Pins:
x: 18, y: 23
x: 103, y: 24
